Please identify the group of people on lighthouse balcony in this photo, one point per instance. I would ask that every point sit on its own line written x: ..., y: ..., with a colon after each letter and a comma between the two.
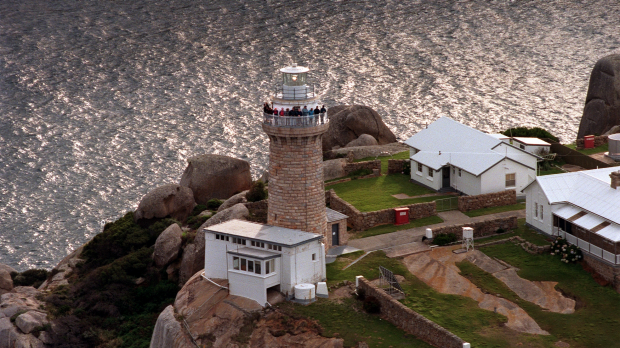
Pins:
x: 297, y: 112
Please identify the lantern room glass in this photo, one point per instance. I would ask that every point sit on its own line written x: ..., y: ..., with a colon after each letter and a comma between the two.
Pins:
x: 294, y: 79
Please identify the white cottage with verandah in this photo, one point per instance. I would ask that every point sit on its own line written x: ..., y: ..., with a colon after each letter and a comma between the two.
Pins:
x: 582, y: 207
x: 451, y: 155
x: 256, y: 257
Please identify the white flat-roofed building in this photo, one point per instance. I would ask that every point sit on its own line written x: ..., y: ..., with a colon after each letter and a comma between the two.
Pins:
x: 583, y: 207
x: 529, y: 144
x: 255, y: 257
x: 450, y: 154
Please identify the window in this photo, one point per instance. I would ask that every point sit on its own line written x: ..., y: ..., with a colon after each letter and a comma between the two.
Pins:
x: 541, y: 212
x: 257, y: 269
x: 430, y: 172
x: 217, y: 236
x: 250, y: 266
x: 420, y: 167
x: 511, y: 180
x: 270, y: 266
x: 459, y: 171
x: 235, y: 262
x: 244, y: 264
x: 522, y: 146
x: 253, y: 243
x: 536, y: 210
x: 313, y: 257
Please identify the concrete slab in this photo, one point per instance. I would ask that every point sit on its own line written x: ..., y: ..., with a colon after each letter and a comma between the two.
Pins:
x: 484, y: 262
x: 454, y: 217
x: 341, y: 250
x: 407, y: 249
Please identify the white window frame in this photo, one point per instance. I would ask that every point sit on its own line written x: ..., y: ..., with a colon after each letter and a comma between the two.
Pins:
x: 430, y: 173
x: 420, y: 169
x: 536, y: 210
x: 513, y: 180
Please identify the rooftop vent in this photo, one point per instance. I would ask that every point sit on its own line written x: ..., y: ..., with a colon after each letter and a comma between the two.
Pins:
x: 615, y: 179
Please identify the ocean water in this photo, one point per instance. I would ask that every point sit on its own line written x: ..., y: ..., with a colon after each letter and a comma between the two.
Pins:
x: 101, y: 101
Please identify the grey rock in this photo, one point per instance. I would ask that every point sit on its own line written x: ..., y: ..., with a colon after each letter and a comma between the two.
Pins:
x: 6, y: 283
x: 172, y: 200
x: 333, y: 169
x: 7, y: 268
x: 359, y: 152
x: 30, y: 320
x: 167, y: 330
x: 614, y: 130
x: 348, y: 122
x: 46, y: 338
x: 237, y: 211
x: 602, y: 109
x: 167, y: 245
x: 216, y: 176
x: 363, y: 140
x: 8, y: 333
x: 192, y: 259
x: 265, y: 177
x: 238, y: 198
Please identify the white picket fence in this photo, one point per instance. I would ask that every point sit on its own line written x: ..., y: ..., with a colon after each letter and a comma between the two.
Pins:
x: 587, y: 247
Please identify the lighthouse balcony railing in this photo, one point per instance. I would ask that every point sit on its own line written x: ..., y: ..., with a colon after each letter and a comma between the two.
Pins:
x: 295, y: 93
x: 295, y: 121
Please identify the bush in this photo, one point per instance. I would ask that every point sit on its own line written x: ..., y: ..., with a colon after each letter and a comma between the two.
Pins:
x: 199, y: 208
x: 195, y: 221
x: 407, y: 168
x: 372, y: 305
x: 214, y: 203
x: 444, y: 239
x: 32, y: 277
x: 500, y: 230
x: 257, y: 192
x: 567, y: 252
x: 535, y: 132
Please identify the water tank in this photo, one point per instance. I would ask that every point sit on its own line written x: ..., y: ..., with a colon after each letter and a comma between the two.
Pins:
x: 614, y: 146
x: 429, y: 233
x: 304, y: 293
x: 468, y: 233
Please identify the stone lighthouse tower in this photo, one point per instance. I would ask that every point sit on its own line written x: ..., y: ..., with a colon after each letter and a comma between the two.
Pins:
x: 296, y: 188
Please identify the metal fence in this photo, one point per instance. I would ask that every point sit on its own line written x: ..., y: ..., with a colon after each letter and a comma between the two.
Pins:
x: 446, y: 204
x: 295, y: 121
x: 588, y: 247
x: 295, y: 93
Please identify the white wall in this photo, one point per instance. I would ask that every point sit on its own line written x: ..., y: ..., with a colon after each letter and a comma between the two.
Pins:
x: 423, y: 178
x: 525, y: 158
x: 494, y: 179
x: 466, y: 183
x: 534, y: 197
x: 298, y: 267
x: 248, y: 285
x: 215, y: 256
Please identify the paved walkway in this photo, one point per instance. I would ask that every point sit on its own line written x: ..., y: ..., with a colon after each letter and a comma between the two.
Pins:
x: 406, y: 242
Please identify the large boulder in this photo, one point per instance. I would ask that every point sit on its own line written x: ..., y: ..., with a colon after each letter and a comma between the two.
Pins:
x: 236, y: 199
x: 216, y: 176
x: 30, y: 320
x: 602, y: 109
x: 348, y: 122
x: 168, y: 332
x: 363, y: 140
x: 333, y: 169
x: 6, y: 282
x: 359, y: 152
x: 167, y: 245
x: 237, y: 211
x: 172, y: 200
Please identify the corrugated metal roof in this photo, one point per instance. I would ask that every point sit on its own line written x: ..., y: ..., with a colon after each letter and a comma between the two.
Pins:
x: 558, y: 187
x: 266, y: 233
x: 566, y: 211
x: 333, y: 215
x: 611, y: 232
x: 446, y: 141
x: 531, y: 141
x: 589, y: 221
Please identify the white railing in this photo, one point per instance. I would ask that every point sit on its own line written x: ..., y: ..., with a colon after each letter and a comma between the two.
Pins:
x: 555, y: 231
x: 594, y: 250
x: 583, y: 245
x: 561, y: 233
x: 295, y: 93
x: 571, y: 239
x: 295, y: 121
x: 590, y: 248
x: 607, y: 256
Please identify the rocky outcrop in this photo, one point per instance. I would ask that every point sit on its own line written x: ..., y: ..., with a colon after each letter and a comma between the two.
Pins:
x: 167, y: 245
x: 63, y: 270
x: 171, y: 200
x: 602, y: 109
x: 6, y: 282
x: 333, y: 169
x: 216, y: 176
x: 237, y: 211
x: 363, y: 140
x: 348, y: 122
x: 30, y: 320
x: 168, y: 331
x: 238, y: 198
x: 21, y: 302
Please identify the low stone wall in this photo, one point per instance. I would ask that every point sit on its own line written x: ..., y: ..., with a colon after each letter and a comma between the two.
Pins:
x: 410, y: 321
x: 370, y: 165
x: 481, y: 228
x: 396, y: 166
x: 362, y: 221
x: 598, y: 141
x: 487, y: 200
x: 606, y: 270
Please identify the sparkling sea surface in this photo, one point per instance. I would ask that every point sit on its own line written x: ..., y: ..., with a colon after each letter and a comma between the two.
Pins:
x: 101, y: 101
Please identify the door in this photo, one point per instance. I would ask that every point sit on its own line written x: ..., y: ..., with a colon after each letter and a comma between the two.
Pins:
x: 445, y: 176
x: 335, y: 234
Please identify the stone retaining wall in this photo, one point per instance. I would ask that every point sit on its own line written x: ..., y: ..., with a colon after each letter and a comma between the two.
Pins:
x: 481, y: 228
x: 370, y: 165
x: 487, y: 200
x: 396, y: 166
x: 598, y: 141
x: 362, y: 221
x: 410, y: 321
x: 606, y: 270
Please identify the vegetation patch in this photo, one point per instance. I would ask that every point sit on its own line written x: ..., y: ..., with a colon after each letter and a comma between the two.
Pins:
x: 444, y: 239
x: 385, y: 159
x: 376, y: 193
x: 535, y: 132
x: 257, y: 192
x: 588, y: 152
x: 382, y: 229
x: 494, y: 210
x: 32, y: 277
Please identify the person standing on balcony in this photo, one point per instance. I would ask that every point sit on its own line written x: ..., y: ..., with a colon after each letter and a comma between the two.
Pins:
x: 304, y: 111
x: 323, y: 111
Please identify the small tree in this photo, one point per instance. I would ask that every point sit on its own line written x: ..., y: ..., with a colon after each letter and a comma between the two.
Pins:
x: 257, y: 192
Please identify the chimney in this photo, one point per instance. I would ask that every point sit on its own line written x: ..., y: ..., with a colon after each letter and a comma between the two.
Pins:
x: 615, y: 179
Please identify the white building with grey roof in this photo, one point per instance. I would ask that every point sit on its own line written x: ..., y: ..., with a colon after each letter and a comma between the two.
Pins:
x: 256, y: 257
x: 448, y: 154
x: 582, y: 207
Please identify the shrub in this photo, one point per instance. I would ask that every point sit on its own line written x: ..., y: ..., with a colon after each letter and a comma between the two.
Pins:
x: 407, y: 168
x: 214, y: 203
x: 372, y: 304
x: 444, y: 239
x: 500, y: 230
x: 567, y: 252
x: 535, y: 132
x: 32, y: 277
x: 195, y: 221
x: 199, y: 208
x: 257, y: 192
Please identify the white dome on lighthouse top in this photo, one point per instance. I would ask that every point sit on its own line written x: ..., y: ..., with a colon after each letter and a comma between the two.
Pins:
x: 294, y: 69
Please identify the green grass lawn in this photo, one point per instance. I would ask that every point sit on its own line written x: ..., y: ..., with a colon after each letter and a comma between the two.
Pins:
x: 595, y: 323
x: 384, y: 160
x: 382, y: 229
x: 551, y: 171
x: 376, y: 193
x: 598, y: 149
x: 493, y: 210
